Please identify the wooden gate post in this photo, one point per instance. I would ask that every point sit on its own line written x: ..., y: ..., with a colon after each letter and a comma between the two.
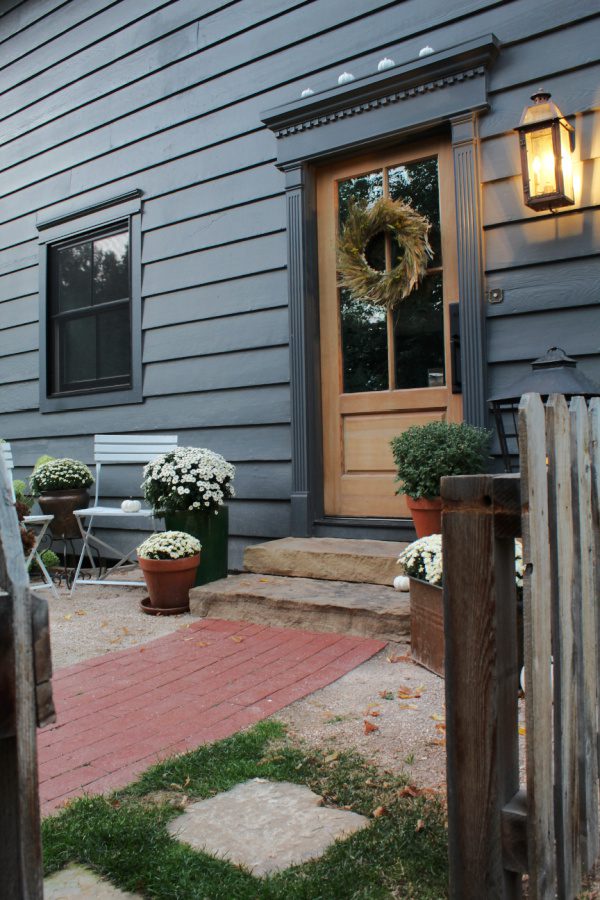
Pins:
x: 481, y: 518
x: 20, y: 845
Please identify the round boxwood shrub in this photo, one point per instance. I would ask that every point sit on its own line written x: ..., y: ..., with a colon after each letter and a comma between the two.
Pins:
x: 425, y: 453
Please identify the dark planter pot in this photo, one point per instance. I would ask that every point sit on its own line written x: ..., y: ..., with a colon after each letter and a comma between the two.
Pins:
x: 427, y: 625
x: 213, y: 533
x: 61, y: 504
x: 427, y: 515
x: 169, y: 582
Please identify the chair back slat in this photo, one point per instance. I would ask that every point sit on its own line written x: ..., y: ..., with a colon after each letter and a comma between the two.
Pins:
x: 131, y: 448
x: 7, y: 455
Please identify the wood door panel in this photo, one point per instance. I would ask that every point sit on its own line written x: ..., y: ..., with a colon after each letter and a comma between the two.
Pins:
x: 360, y: 417
x: 366, y: 439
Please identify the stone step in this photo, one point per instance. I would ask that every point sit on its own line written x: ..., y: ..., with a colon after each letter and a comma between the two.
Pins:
x: 365, y: 610
x: 332, y: 559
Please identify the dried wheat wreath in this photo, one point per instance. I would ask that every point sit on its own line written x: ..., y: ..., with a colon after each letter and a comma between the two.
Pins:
x: 410, y: 231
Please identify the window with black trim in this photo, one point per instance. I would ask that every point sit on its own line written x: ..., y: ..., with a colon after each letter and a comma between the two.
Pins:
x: 89, y: 312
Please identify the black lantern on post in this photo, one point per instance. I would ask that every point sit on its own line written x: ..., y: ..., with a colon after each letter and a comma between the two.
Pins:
x: 546, y: 140
x: 552, y: 373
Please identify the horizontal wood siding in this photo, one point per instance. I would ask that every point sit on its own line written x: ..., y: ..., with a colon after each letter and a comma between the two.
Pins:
x: 100, y: 97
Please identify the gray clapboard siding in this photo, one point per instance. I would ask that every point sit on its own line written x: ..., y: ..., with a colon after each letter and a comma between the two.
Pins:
x: 19, y: 256
x: 21, y: 396
x: 19, y: 367
x: 18, y: 312
x: 19, y: 339
x: 268, y: 444
x: 246, y: 186
x: 19, y: 15
x: 262, y: 328
x: 254, y: 406
x: 225, y: 298
x: 124, y: 541
x: 576, y: 330
x: 266, y: 365
x: 542, y: 240
x: 234, y: 260
x: 553, y: 286
x: 19, y: 283
x: 222, y: 227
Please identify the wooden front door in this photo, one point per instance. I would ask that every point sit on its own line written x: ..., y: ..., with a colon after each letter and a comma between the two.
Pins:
x: 382, y: 371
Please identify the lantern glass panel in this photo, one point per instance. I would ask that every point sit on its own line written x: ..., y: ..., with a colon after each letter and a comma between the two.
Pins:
x: 567, y: 162
x: 541, y: 162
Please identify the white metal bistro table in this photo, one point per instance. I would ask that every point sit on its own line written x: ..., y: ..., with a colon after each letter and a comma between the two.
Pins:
x: 43, y: 522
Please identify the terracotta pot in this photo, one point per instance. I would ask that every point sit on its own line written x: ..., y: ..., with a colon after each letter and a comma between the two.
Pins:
x: 61, y: 504
x: 427, y: 625
x: 427, y: 515
x: 169, y: 581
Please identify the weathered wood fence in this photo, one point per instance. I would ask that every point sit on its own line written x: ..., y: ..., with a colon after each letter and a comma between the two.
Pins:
x: 25, y: 698
x: 497, y: 829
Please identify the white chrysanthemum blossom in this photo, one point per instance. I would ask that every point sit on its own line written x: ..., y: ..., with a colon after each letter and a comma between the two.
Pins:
x: 169, y: 545
x: 188, y: 478
x: 424, y: 559
x: 60, y: 475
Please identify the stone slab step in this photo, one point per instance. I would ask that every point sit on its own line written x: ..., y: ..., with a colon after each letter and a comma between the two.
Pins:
x: 332, y: 559
x: 365, y: 610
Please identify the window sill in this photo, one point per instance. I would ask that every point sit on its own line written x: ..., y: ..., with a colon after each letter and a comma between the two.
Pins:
x: 91, y: 401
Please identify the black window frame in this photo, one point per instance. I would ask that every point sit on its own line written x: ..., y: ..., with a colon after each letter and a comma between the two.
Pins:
x: 99, y: 221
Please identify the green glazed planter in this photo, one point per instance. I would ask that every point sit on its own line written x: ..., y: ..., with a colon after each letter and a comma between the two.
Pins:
x: 213, y: 532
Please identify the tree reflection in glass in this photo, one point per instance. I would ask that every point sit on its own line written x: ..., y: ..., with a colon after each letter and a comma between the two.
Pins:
x: 418, y: 183
x: 419, y: 336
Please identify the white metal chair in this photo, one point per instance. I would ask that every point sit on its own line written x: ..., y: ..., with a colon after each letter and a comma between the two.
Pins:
x: 116, y: 449
x: 40, y: 522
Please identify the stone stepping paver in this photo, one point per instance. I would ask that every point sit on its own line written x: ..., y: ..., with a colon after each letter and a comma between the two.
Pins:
x: 265, y: 826
x: 120, y: 713
x: 77, y: 883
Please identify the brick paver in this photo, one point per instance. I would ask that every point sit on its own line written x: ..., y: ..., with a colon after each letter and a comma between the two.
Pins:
x: 121, y: 713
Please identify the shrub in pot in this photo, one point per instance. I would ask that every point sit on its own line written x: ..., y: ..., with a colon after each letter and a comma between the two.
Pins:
x: 188, y: 487
x: 61, y: 486
x: 424, y: 454
x: 169, y: 561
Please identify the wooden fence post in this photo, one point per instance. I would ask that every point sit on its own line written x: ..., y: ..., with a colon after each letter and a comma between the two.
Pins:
x: 479, y: 524
x: 20, y: 845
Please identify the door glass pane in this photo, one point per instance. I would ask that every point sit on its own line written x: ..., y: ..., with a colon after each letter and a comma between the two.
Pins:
x: 418, y: 182
x: 419, y: 336
x: 78, y: 350
x: 363, y: 325
x: 362, y: 189
x: 114, y: 343
x: 364, y: 343
x: 72, y: 276
x: 111, y: 268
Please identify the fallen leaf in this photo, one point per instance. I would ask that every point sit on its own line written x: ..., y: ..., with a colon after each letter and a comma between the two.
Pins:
x: 440, y: 726
x: 522, y: 729
x: 405, y: 692
x: 379, y: 812
x: 116, y: 640
x: 115, y: 803
x: 372, y: 712
x: 201, y: 644
x: 237, y: 639
x: 265, y: 580
x: 104, y: 625
x: 142, y: 649
x: 126, y: 630
x: 407, y: 706
x: 177, y: 787
x: 80, y: 612
x: 187, y: 781
x: 68, y: 617
x: 386, y: 695
x: 437, y: 718
x: 332, y: 757
x: 420, y: 825
x: 439, y: 742
x: 406, y: 657
x: 409, y: 790
x: 369, y: 727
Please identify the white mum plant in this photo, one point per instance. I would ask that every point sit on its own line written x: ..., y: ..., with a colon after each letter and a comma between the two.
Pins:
x: 169, y: 545
x: 188, y: 478
x: 423, y: 559
x: 60, y: 475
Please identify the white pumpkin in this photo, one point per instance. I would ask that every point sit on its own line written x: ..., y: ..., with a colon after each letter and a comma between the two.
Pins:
x: 131, y: 506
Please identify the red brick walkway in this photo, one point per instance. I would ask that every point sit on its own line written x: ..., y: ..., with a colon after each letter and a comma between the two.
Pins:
x: 121, y: 713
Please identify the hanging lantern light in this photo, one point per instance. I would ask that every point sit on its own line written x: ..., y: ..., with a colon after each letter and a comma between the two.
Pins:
x: 552, y: 373
x: 546, y: 140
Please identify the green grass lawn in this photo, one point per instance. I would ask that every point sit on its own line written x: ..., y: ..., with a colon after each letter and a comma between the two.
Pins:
x: 402, y: 854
